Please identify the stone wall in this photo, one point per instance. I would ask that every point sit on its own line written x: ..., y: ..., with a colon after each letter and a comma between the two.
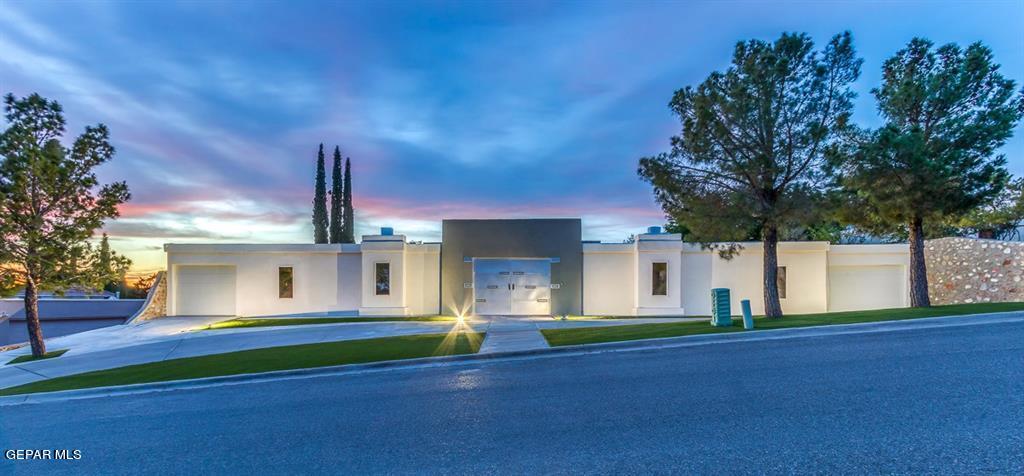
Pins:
x: 156, y: 301
x: 969, y: 270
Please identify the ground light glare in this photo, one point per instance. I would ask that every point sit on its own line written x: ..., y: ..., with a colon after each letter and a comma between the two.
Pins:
x: 461, y: 328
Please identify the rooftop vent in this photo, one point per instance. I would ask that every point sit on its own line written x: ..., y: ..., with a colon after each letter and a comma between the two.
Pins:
x: 654, y: 230
x: 387, y: 231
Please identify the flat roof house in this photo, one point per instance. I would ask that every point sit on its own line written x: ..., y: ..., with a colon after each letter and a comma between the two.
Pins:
x: 521, y: 267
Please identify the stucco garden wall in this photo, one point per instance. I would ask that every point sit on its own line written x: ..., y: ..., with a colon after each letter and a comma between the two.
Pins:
x: 968, y: 270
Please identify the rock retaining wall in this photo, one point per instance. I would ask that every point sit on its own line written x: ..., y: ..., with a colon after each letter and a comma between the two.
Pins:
x: 968, y: 270
x: 156, y: 302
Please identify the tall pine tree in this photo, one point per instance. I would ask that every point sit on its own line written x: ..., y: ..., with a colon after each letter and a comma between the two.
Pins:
x: 750, y: 151
x: 50, y: 203
x: 349, y: 226
x: 947, y: 111
x: 320, y: 201
x: 337, y: 220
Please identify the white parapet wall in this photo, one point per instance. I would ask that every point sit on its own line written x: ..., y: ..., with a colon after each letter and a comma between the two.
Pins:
x: 609, y: 271
x: 618, y: 278
x: 243, y: 280
x: 868, y: 276
x: 412, y: 284
x: 246, y: 279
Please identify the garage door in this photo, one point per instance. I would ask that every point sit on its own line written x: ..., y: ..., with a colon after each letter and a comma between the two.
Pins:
x: 854, y: 288
x: 205, y: 291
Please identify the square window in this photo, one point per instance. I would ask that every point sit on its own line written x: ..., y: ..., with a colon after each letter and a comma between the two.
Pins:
x: 284, y: 282
x: 659, y: 279
x: 382, y: 279
x: 780, y: 281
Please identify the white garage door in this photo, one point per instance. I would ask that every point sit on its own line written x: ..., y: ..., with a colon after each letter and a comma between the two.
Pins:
x: 205, y: 291
x: 855, y: 288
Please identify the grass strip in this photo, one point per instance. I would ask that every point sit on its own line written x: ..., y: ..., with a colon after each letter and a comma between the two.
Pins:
x: 30, y: 357
x: 266, y: 360
x: 244, y: 322
x: 594, y: 335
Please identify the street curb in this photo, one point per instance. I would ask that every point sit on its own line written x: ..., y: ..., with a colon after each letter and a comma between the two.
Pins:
x: 584, y: 349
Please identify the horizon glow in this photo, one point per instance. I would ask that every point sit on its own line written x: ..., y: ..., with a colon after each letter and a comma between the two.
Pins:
x: 447, y: 109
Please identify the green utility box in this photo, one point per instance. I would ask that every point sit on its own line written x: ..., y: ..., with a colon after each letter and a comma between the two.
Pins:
x: 721, y: 309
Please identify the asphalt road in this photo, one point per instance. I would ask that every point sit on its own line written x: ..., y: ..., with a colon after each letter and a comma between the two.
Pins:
x: 947, y: 400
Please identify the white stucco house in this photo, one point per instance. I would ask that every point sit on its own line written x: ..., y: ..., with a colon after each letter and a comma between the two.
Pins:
x: 522, y: 267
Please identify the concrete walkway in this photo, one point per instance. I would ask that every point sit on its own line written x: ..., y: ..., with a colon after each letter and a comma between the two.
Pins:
x: 508, y: 334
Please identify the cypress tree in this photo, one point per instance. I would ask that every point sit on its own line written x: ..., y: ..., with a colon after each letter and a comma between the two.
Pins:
x: 337, y: 233
x: 320, y: 201
x: 350, y: 221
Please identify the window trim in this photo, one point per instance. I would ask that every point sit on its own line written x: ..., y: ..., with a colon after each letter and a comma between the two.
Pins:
x: 781, y: 280
x: 376, y: 289
x: 291, y: 278
x: 654, y: 278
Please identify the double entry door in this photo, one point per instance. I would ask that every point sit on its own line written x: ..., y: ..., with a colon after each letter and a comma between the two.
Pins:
x: 512, y: 287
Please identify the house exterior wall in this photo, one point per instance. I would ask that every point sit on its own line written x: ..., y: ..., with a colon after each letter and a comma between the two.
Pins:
x: 608, y: 279
x: 350, y: 277
x: 389, y: 250
x: 694, y: 271
x: 594, y: 278
x: 659, y: 248
x: 315, y: 276
x: 559, y: 238
x: 696, y: 280
x: 868, y: 276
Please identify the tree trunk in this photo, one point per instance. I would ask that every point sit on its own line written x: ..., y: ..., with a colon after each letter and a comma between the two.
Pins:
x: 772, y: 306
x: 918, y: 268
x: 35, y: 331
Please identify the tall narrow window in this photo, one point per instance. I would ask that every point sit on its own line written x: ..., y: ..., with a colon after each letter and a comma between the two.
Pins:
x: 382, y: 273
x: 659, y: 279
x: 780, y: 281
x: 285, y: 287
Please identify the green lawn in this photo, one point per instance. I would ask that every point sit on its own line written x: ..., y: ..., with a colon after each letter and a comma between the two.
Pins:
x: 29, y: 357
x: 593, y: 335
x: 590, y: 318
x: 266, y: 360
x: 300, y: 321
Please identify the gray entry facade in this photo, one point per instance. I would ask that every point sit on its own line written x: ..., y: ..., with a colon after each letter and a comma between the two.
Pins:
x: 534, y: 251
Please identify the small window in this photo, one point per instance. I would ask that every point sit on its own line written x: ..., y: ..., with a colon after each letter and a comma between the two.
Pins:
x: 383, y: 279
x: 659, y: 279
x: 780, y: 281
x: 284, y: 282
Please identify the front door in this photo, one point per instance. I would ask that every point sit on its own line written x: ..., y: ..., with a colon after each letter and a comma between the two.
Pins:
x: 531, y: 288
x: 511, y: 287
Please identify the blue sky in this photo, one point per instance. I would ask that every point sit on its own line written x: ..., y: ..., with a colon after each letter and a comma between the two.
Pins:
x: 447, y: 109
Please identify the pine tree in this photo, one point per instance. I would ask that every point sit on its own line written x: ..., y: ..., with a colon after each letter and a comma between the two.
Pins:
x: 947, y: 112
x: 350, y: 221
x: 320, y: 201
x: 50, y: 203
x: 750, y: 153
x: 337, y: 220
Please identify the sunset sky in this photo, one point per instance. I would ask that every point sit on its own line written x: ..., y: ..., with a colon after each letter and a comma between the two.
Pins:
x: 447, y: 109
